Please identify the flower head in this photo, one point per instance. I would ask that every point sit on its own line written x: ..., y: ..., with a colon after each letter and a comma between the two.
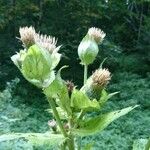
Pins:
x: 101, y: 77
x: 97, y: 34
x: 27, y: 36
x: 46, y: 42
x: 35, y: 62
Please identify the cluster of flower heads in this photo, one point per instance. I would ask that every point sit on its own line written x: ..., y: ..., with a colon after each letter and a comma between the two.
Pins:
x: 100, y: 77
x: 29, y: 37
x: 88, y: 50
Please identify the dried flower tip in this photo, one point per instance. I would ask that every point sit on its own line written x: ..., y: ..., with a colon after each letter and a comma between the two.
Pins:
x: 70, y: 85
x: 52, y: 123
x: 66, y: 126
x: 46, y: 42
x: 101, y: 77
x: 27, y: 36
x: 97, y: 34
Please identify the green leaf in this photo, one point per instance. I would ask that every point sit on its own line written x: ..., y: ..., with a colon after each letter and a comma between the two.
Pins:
x: 18, y: 58
x: 36, y: 139
x: 79, y: 100
x: 101, y: 65
x: 140, y: 144
x: 59, y: 91
x: 36, y: 67
x: 105, y: 96
x: 97, y: 124
x: 55, y: 59
x: 147, y: 146
x: 88, y: 146
x: 60, y: 111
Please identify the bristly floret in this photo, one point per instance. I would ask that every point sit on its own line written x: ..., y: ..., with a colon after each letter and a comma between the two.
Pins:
x: 52, y: 123
x: 97, y: 34
x: 101, y: 77
x: 27, y: 36
x: 70, y: 85
x: 46, y: 42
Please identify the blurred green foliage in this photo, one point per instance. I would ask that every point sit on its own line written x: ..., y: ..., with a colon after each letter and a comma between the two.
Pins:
x: 127, y: 48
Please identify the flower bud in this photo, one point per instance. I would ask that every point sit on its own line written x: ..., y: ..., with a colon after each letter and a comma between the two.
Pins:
x: 70, y: 86
x: 87, y: 50
x: 96, y: 83
x: 97, y: 34
x: 27, y: 35
x: 101, y: 78
x: 53, y: 125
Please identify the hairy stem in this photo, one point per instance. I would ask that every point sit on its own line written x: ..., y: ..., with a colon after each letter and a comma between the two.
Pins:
x: 81, y: 114
x: 79, y: 140
x: 70, y: 140
x: 71, y: 136
x: 79, y: 143
x: 85, y: 73
x: 56, y: 115
x: 147, y: 145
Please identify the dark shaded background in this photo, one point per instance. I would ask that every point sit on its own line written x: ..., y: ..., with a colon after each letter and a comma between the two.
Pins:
x: 127, y: 26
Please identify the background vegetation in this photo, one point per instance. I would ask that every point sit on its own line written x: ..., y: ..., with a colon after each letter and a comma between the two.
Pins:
x: 126, y: 46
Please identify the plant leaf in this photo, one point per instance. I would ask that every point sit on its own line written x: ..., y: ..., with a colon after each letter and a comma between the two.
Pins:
x: 79, y: 100
x: 55, y: 59
x: 88, y: 146
x: 36, y: 67
x: 36, y: 139
x: 100, y: 122
x: 105, y: 96
x: 61, y: 112
x: 140, y: 144
x: 147, y: 146
x: 59, y: 91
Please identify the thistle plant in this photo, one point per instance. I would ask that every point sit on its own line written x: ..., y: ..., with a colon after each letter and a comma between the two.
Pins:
x: 69, y: 105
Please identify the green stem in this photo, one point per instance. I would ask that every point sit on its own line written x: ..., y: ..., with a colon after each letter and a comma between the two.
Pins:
x: 63, y: 147
x: 79, y: 143
x: 56, y: 115
x: 80, y: 116
x: 147, y: 147
x: 79, y: 138
x: 85, y: 73
x: 70, y: 141
x: 71, y: 136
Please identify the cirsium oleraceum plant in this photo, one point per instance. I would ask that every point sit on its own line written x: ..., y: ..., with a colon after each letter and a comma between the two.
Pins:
x: 69, y: 105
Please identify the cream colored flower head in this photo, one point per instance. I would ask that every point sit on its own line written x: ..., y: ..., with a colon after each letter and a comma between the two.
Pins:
x: 27, y: 35
x: 97, y: 34
x: 101, y: 77
x: 46, y: 42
